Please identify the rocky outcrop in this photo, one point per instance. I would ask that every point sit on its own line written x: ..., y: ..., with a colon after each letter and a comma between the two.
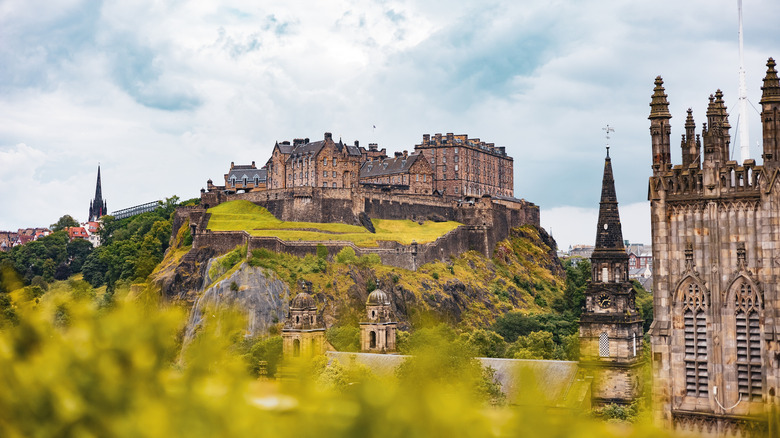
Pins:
x: 263, y: 298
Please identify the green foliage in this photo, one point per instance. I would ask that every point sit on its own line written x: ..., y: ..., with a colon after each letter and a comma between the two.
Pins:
x: 644, y: 304
x: 368, y: 260
x: 486, y: 343
x: 370, y: 285
x: 264, y: 352
x: 577, y: 276
x: 514, y: 324
x: 64, y: 222
x: 322, y: 252
x: 42, y: 257
x: 435, y: 275
x: 617, y: 413
x: 344, y: 338
x: 346, y: 256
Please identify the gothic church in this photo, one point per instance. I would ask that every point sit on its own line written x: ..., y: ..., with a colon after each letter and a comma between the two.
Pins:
x: 716, y: 256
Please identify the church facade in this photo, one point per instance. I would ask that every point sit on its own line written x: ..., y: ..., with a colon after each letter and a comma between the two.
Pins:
x: 716, y: 256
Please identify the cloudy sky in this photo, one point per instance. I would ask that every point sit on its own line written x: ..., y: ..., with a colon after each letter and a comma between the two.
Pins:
x: 165, y: 94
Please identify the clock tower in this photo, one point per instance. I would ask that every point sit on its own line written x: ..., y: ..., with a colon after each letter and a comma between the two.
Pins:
x: 610, y: 326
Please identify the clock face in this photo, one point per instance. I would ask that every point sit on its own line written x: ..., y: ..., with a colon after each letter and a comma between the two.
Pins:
x: 604, y: 300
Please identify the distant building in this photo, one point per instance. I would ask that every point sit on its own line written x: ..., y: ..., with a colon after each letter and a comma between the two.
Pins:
x: 323, y: 163
x: 377, y: 331
x: 245, y: 177
x: 583, y: 251
x: 98, y: 207
x: 77, y: 233
x: 465, y: 166
x: 304, y: 331
x: 404, y: 172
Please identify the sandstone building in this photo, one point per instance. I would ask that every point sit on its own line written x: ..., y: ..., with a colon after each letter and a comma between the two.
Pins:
x: 245, y: 177
x: 716, y: 235
x: 403, y: 173
x: 304, y: 332
x: 377, y: 331
x: 468, y: 167
x: 321, y: 163
x: 610, y: 326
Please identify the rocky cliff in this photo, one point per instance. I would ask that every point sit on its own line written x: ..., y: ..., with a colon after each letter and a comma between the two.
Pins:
x: 469, y: 290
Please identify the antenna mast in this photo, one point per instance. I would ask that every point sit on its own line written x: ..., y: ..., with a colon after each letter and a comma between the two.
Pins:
x: 744, y: 136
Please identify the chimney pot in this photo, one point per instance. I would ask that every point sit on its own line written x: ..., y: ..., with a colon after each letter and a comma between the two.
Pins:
x: 328, y: 136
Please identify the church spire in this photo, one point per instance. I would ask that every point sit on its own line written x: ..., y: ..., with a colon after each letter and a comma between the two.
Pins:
x: 98, y: 207
x: 660, y: 129
x: 609, y: 234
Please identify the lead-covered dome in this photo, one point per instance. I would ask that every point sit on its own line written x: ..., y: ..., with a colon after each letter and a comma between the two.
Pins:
x: 378, y: 298
x: 303, y: 301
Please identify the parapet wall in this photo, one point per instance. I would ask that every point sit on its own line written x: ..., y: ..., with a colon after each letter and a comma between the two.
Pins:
x: 486, y: 221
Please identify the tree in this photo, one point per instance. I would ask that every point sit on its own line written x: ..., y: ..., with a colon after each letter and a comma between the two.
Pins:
x: 486, y: 343
x: 63, y: 223
x: 78, y: 250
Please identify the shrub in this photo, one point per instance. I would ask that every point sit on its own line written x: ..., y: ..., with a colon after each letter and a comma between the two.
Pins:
x: 322, y: 252
x: 435, y: 275
x: 346, y: 256
x: 344, y: 338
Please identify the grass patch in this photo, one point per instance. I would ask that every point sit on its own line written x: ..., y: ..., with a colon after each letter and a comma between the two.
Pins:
x: 241, y: 215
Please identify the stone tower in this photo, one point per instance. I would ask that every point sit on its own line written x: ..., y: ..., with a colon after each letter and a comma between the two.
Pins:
x: 716, y: 234
x: 97, y: 207
x: 304, y: 332
x: 610, y: 326
x: 377, y: 332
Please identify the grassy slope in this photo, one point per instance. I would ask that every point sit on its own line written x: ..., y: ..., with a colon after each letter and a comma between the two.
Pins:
x: 244, y: 215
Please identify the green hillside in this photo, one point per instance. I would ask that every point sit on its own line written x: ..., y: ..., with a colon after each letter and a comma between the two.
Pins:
x: 243, y: 215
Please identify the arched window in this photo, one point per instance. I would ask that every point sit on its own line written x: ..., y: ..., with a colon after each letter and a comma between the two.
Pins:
x: 604, y: 344
x: 746, y: 314
x: 695, y: 333
x: 372, y: 339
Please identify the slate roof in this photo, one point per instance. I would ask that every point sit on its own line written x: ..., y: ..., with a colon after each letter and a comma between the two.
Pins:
x: 388, y: 166
x: 250, y: 172
x: 312, y: 148
x: 555, y: 381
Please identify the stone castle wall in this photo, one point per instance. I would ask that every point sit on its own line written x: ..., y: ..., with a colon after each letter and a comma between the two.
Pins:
x: 486, y: 221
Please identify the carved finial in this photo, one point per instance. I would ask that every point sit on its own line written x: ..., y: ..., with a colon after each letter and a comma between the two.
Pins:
x: 659, y: 106
x: 771, y: 88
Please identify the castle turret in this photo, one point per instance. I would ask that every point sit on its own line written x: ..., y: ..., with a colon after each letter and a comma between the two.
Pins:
x: 770, y: 115
x: 691, y: 146
x: 660, y: 129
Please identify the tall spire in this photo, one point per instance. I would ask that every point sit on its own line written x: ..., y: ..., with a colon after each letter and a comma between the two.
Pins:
x: 609, y: 233
x: 770, y: 92
x: 98, y: 207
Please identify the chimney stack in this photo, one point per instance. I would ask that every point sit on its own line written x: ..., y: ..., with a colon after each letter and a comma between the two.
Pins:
x: 328, y: 136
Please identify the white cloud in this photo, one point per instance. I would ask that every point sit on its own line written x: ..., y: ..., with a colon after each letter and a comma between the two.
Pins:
x: 166, y: 94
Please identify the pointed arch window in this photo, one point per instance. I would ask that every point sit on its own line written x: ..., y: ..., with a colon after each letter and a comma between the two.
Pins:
x: 695, y: 330
x: 746, y: 314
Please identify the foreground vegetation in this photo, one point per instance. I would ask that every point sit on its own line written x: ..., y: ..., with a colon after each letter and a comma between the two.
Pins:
x: 243, y: 215
x: 121, y: 370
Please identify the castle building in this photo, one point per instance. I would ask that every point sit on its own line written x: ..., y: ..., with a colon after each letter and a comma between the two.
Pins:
x: 610, y: 326
x: 408, y: 173
x: 98, y: 207
x: 716, y: 234
x: 323, y: 163
x: 245, y: 177
x: 303, y: 333
x: 468, y: 167
x: 377, y: 331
